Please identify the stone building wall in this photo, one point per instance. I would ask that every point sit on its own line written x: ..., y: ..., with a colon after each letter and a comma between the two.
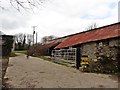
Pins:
x: 89, y: 49
x: 7, y: 44
x: 104, y: 47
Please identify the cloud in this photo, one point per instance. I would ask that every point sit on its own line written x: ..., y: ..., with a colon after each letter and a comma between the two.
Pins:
x: 119, y: 12
x: 13, y: 20
x: 79, y: 7
x: 63, y: 17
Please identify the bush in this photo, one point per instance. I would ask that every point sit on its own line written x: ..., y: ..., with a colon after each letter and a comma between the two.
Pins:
x: 105, y: 65
x: 38, y: 50
x: 106, y: 62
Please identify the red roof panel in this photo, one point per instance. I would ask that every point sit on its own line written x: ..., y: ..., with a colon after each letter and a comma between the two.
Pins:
x: 51, y: 43
x: 92, y: 35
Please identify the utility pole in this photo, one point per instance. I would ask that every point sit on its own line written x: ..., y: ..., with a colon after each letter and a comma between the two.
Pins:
x: 33, y: 32
x: 36, y: 37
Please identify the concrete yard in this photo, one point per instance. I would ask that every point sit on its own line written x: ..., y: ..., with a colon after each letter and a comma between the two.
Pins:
x: 37, y: 73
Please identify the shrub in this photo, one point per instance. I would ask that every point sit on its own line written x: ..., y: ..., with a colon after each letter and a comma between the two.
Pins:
x: 103, y: 65
x: 38, y: 50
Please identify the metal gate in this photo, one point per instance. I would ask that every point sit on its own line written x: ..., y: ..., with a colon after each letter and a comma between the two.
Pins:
x: 66, y: 54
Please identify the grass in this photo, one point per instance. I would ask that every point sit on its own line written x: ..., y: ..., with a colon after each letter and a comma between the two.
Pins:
x: 45, y: 58
x: 61, y: 62
x: 12, y: 54
x: 21, y: 51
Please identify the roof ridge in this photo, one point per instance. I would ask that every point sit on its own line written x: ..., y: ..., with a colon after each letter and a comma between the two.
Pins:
x: 99, y: 28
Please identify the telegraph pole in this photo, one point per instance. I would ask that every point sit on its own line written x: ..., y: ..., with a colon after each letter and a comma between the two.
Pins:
x: 33, y: 32
x: 36, y: 37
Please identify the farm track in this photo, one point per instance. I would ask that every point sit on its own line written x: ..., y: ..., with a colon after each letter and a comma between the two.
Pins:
x: 38, y: 73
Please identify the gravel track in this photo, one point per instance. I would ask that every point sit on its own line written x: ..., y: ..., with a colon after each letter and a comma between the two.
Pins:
x: 37, y: 73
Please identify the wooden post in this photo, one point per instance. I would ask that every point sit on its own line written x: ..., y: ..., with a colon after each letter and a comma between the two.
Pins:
x: 78, y: 58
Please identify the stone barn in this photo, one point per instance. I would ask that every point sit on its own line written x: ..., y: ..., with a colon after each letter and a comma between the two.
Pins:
x: 95, y: 43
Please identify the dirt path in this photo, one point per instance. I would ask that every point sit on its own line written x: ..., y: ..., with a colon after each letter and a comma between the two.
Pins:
x: 38, y: 73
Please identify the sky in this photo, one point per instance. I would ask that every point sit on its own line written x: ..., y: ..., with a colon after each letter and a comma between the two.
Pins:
x: 58, y: 17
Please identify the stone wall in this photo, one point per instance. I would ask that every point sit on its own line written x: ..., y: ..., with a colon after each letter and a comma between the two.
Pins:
x: 7, y: 44
x: 106, y: 47
x: 89, y: 50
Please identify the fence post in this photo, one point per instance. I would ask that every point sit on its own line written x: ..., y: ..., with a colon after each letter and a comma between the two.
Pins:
x: 78, y: 58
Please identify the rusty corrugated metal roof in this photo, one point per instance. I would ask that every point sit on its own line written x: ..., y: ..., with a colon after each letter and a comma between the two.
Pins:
x: 101, y: 33
x: 51, y: 43
x: 55, y: 42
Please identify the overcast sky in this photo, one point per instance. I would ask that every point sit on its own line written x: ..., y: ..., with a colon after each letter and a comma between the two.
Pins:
x: 59, y: 17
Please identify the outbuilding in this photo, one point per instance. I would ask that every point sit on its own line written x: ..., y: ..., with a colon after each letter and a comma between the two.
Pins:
x: 95, y: 43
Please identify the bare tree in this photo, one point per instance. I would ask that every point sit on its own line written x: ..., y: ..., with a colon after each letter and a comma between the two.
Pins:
x: 1, y: 33
x: 51, y: 37
x: 21, y: 37
x: 29, y: 39
x: 24, y: 40
x: 16, y: 38
x: 92, y: 26
x: 24, y: 4
x: 20, y: 40
x: 46, y: 39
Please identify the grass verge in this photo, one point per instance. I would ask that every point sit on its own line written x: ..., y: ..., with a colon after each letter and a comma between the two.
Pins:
x: 60, y: 62
x: 12, y: 54
x: 21, y: 51
x: 45, y: 58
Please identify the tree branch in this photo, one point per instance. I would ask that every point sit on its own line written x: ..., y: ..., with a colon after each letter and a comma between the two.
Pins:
x: 25, y: 5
